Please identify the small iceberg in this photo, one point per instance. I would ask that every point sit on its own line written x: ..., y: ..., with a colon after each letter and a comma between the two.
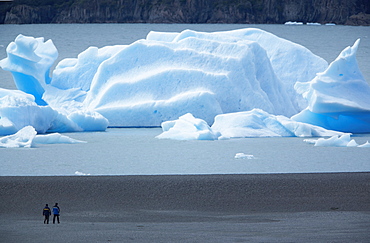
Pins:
x: 243, y: 156
x: 293, y: 23
x: 78, y: 173
x: 27, y: 137
x: 336, y: 141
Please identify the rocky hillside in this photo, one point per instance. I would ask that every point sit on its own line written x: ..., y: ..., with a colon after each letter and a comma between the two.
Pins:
x: 353, y: 12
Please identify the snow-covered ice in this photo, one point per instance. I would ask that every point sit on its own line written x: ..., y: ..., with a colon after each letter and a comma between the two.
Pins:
x: 198, y: 85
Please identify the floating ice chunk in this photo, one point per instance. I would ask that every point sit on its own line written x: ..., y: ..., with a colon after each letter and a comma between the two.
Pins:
x: 310, y: 140
x: 27, y: 137
x: 258, y: 123
x: 293, y: 23
x: 365, y: 145
x: 80, y: 173
x: 54, y: 138
x: 243, y: 156
x: 336, y: 141
x: 167, y: 75
x: 352, y: 143
x: 254, y: 123
x: 23, y: 138
x: 187, y: 128
x: 339, y: 97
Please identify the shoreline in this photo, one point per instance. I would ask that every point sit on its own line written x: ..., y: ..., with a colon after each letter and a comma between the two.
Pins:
x: 188, y: 208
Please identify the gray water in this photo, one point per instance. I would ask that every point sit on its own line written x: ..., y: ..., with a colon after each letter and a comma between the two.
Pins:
x: 138, y: 152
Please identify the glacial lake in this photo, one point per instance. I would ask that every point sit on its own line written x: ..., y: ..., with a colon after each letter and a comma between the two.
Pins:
x: 136, y: 151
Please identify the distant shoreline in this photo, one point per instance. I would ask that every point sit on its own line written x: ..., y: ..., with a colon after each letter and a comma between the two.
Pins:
x: 178, y: 11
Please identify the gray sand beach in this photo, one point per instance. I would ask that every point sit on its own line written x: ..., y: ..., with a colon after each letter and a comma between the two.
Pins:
x: 333, y: 207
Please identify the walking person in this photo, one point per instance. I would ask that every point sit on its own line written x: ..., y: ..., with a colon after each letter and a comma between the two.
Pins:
x: 56, y: 212
x: 46, y: 212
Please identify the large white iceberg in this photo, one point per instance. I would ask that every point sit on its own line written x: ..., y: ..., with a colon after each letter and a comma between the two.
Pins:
x: 168, y: 75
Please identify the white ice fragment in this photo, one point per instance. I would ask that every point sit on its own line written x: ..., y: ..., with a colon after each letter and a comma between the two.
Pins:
x: 352, y: 143
x: 243, y: 156
x: 81, y: 173
x: 365, y: 145
x: 23, y: 138
x: 55, y: 138
x: 336, y: 141
x: 187, y: 127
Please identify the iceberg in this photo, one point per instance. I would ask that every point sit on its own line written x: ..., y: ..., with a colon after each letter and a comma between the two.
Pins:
x: 337, y: 141
x: 338, y: 98
x: 258, y: 123
x: 187, y: 127
x: 27, y: 137
x: 221, y: 78
x: 54, y: 138
x: 23, y: 138
x: 243, y: 156
x: 79, y: 173
x: 254, y: 123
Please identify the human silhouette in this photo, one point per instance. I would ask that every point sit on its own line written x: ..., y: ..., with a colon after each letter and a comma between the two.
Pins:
x: 46, y: 212
x: 56, y: 212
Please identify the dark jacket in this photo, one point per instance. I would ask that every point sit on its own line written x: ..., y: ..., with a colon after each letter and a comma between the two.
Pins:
x: 46, y: 211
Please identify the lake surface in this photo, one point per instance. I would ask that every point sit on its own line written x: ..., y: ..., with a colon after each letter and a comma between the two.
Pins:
x: 138, y: 152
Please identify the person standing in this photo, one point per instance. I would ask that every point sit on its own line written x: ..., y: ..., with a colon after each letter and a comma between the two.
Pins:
x: 56, y: 212
x: 46, y: 212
